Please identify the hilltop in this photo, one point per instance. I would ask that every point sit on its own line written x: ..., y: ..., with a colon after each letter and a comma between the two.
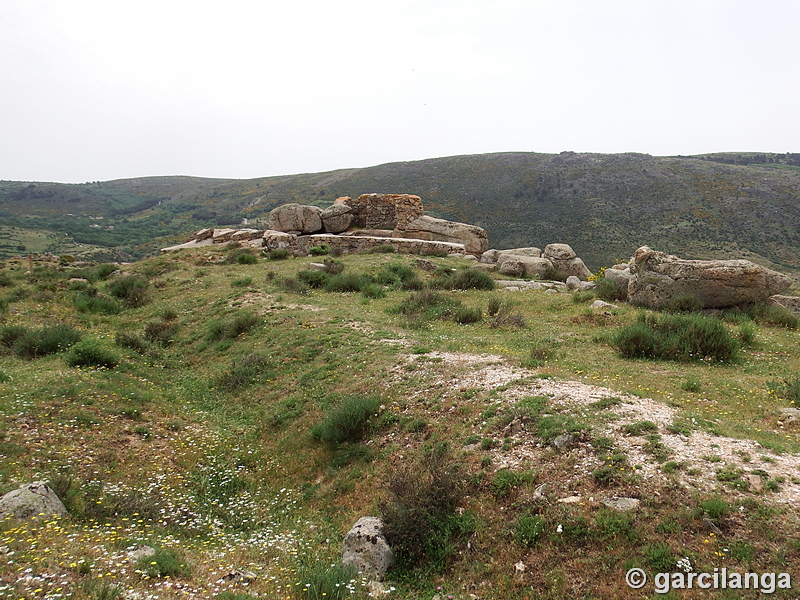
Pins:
x: 603, y: 205
x: 236, y: 412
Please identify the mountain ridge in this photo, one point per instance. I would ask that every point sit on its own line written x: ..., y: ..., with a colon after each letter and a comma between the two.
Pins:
x: 605, y: 205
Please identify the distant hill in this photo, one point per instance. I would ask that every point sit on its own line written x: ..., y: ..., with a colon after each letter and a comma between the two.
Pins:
x: 605, y: 205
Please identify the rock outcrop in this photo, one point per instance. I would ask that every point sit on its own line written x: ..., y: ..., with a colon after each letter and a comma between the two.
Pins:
x: 558, y: 259
x: 366, y: 548
x: 657, y: 279
x: 377, y: 219
x: 296, y: 218
x: 31, y: 500
x: 428, y: 228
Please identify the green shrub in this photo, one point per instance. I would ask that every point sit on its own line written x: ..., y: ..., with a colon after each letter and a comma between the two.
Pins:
x: 161, y: 332
x: 247, y: 371
x: 278, y: 254
x: 232, y: 328
x: 747, y: 334
x: 131, y: 289
x: 398, y: 275
x: 504, y: 315
x: 582, y: 296
x: 659, y: 558
x: 691, y: 384
x: 551, y: 426
x: 683, y: 303
x: 383, y: 249
x: 333, y: 267
x: 164, y: 563
x: 640, y: 427
x: 313, y: 278
x: 104, y: 271
x: 10, y: 334
x: 86, y: 302
x: 346, y: 282
x: 47, y: 340
x: 347, y: 422
x: 427, y: 305
x: 241, y: 256
x: 466, y: 315
x: 528, y: 530
x: 715, y: 508
x: 610, y: 290
x: 467, y: 278
x: 676, y: 337
x: 320, y: 250
x: 495, y: 304
x: 373, y: 291
x: 131, y: 341
x: 6, y: 280
x: 541, y: 350
x: 90, y: 352
x: 421, y: 522
x: 772, y: 315
x: 506, y: 481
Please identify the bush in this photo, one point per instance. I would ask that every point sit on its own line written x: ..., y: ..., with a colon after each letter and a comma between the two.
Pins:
x: 427, y: 304
x: 528, y: 530
x: 715, y: 508
x: 131, y: 289
x: 541, y: 350
x: 233, y: 328
x: 6, y: 280
x: 90, y: 352
x: 320, y: 250
x: 788, y: 389
x: 373, y: 291
x: 86, y: 302
x: 313, y: 278
x: 347, y: 282
x: 659, y: 558
x: 467, y: 278
x: 161, y: 332
x: 504, y: 315
x: 241, y: 256
x: 398, y: 275
x: 333, y: 267
x: 347, y: 422
x: 383, y: 249
x: 242, y: 282
x: 164, y: 563
x: 772, y: 315
x: 683, y: 303
x: 44, y: 341
x: 466, y: 315
x: 420, y: 518
x: 10, y: 334
x: 610, y: 290
x: 247, y: 371
x: 505, y: 481
x: 676, y: 337
x: 277, y: 254
x: 131, y: 341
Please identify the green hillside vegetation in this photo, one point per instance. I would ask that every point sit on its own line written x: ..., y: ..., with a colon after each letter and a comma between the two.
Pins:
x: 239, y: 415
x: 604, y: 205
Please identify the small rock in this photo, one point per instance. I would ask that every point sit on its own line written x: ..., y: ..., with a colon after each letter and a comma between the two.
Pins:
x: 425, y: 264
x: 366, y: 548
x: 316, y: 266
x: 711, y: 526
x: 376, y: 589
x: 539, y: 494
x: 573, y: 283
x: 519, y: 567
x: 140, y: 552
x: 602, y: 305
x: 570, y: 500
x: 754, y: 483
x: 241, y: 576
x: 564, y: 441
x: 31, y: 500
x: 621, y: 503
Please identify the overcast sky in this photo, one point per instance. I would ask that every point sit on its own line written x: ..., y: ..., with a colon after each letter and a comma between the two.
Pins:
x: 108, y: 89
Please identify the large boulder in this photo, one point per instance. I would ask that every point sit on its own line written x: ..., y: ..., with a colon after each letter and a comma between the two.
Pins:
x: 531, y: 266
x: 278, y: 240
x: 472, y: 237
x: 366, y: 549
x: 657, y: 279
x: 337, y: 218
x: 559, y: 252
x: 565, y: 262
x: 31, y: 500
x: 296, y: 218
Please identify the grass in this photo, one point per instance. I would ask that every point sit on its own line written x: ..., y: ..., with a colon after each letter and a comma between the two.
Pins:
x: 204, y: 446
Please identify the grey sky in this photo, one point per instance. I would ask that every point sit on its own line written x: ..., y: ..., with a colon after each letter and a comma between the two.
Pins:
x: 107, y: 89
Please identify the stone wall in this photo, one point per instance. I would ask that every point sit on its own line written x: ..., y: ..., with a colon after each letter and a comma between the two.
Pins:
x: 383, y: 211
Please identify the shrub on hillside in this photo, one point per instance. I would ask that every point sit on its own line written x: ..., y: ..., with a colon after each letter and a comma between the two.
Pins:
x: 427, y: 304
x: 398, y: 275
x: 347, y: 282
x: 676, y: 337
x: 244, y: 372
x: 420, y: 516
x: 467, y: 278
x: 90, y: 352
x: 320, y: 250
x: 89, y: 301
x: 131, y: 289
x: 348, y: 421
x: 610, y: 290
x: 233, y: 327
x: 313, y: 278
x: 772, y: 315
x: 33, y: 343
x: 278, y: 254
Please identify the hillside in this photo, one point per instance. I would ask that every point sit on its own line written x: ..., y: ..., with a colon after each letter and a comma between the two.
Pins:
x: 710, y: 206
x: 237, y: 413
